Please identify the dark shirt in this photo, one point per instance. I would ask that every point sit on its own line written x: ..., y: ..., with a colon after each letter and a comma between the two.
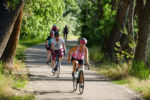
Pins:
x: 48, y: 37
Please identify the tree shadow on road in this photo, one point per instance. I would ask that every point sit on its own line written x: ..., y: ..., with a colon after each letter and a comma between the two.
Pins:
x: 47, y: 78
x: 54, y: 91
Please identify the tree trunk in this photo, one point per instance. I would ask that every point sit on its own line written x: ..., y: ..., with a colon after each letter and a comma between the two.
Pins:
x: 100, y: 8
x: 7, y: 21
x: 143, y: 32
x: 131, y: 18
x: 130, y: 28
x: 114, y: 4
x: 10, y: 50
x: 115, y: 34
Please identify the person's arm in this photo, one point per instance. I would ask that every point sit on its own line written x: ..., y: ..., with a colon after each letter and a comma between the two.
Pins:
x: 86, y: 56
x: 47, y: 42
x: 52, y: 45
x: 70, y: 51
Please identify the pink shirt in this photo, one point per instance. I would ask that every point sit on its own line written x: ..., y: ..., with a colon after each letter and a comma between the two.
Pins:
x: 78, y: 55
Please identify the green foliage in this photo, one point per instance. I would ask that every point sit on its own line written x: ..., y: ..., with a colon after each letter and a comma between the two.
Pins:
x: 40, y: 15
x: 121, y: 82
x: 95, y: 54
x: 125, y: 53
x: 140, y: 70
x: 1, y: 68
x: 12, y: 4
x: 95, y: 28
x: 7, y: 97
x: 108, y: 20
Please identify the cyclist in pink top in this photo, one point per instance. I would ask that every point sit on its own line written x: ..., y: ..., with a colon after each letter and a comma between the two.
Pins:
x: 79, y: 52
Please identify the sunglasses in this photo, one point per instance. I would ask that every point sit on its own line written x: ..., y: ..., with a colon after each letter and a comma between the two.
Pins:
x: 82, y: 43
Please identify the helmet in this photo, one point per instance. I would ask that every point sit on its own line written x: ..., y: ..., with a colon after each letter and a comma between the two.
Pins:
x: 57, y: 34
x: 52, y: 32
x: 54, y: 24
x: 83, y: 40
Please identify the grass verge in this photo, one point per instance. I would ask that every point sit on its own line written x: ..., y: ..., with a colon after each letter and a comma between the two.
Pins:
x: 121, y: 74
x: 10, y: 85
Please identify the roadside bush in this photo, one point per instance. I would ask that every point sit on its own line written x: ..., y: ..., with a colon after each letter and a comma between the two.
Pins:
x: 95, y: 54
x: 1, y: 68
x: 140, y: 70
x: 118, y: 72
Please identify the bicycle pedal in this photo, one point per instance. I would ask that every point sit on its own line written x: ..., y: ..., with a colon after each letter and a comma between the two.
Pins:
x: 55, y: 69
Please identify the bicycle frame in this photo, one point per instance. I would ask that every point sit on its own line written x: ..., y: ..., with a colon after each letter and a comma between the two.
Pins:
x: 77, y: 69
x: 76, y: 79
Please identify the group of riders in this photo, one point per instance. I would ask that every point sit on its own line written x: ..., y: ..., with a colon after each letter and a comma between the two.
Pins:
x: 55, y: 44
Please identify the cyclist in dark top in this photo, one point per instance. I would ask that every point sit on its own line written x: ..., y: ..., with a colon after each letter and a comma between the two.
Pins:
x: 65, y: 31
x: 48, y: 46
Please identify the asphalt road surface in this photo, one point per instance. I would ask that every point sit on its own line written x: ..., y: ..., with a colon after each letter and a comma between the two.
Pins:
x: 45, y: 86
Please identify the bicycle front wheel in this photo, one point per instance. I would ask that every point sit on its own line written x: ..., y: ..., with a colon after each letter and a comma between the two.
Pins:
x: 58, y: 71
x: 75, y: 83
x: 81, y: 82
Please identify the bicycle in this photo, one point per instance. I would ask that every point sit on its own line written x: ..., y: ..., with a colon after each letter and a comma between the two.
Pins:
x: 57, y: 65
x: 78, y: 79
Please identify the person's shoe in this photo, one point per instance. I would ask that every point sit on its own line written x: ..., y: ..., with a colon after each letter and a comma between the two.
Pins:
x: 47, y: 62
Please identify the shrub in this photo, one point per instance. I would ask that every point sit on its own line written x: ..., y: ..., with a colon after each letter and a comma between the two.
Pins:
x: 1, y: 68
x: 140, y: 70
x: 118, y: 72
x: 95, y: 54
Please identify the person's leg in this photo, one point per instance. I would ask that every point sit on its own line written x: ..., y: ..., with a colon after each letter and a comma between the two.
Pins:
x: 48, y: 56
x: 53, y: 60
x: 60, y: 56
x: 66, y: 36
x: 53, y: 65
x: 74, y: 62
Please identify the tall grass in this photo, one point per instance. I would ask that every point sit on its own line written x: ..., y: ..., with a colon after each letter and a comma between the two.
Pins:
x: 140, y: 70
x: 15, y: 80
x: 7, y: 97
x: 1, y: 68
x: 6, y: 84
x: 118, y: 72
x: 135, y: 76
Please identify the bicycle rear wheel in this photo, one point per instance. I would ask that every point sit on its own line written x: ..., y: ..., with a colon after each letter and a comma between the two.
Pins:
x: 81, y: 82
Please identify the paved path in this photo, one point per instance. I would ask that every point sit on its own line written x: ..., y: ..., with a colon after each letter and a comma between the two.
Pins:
x: 48, y: 87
